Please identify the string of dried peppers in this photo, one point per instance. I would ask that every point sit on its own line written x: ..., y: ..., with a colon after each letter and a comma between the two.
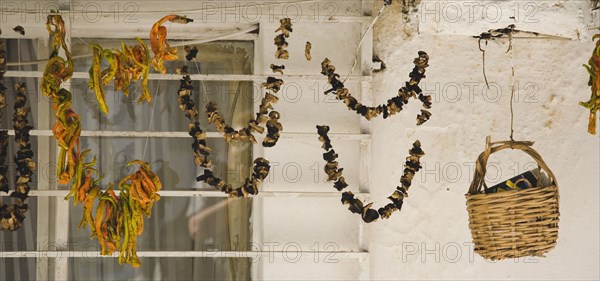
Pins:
x: 117, y: 220
x: 593, y: 104
x: 130, y: 64
x: 67, y: 128
x: 335, y: 173
x: 393, y: 105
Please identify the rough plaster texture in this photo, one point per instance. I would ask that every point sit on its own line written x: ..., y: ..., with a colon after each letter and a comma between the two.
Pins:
x: 430, y: 238
x: 550, y: 83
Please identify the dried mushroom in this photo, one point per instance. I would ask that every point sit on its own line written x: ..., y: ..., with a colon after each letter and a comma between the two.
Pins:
x: 19, y: 29
x: 191, y: 52
x: 277, y: 68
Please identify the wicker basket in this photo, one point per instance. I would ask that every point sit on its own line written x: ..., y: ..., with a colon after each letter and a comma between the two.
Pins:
x: 514, y: 223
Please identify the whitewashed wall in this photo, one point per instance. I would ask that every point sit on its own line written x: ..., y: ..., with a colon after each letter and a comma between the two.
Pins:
x: 430, y: 238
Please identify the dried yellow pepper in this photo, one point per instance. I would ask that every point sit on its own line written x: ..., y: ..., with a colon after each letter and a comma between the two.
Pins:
x: 131, y: 63
x: 96, y: 80
x: 158, y: 39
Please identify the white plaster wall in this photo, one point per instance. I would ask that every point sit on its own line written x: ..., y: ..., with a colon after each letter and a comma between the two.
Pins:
x: 430, y: 238
x: 546, y: 111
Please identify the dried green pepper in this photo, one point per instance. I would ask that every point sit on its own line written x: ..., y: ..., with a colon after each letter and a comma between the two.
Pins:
x: 593, y: 104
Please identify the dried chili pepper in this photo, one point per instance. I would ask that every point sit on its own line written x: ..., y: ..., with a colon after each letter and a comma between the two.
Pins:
x: 127, y: 65
x: 138, y: 194
x: 593, y: 104
x: 335, y: 173
x: 67, y: 128
x: 96, y: 82
x: 118, y: 219
x: 393, y: 105
x: 158, y: 39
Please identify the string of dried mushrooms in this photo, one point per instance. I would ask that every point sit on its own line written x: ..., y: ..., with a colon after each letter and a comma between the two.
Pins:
x: 12, y: 216
x: 393, y: 105
x: 335, y: 174
x: 3, y: 133
x: 260, y: 168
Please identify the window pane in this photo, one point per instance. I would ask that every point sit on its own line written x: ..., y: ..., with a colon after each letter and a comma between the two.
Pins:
x: 177, y: 224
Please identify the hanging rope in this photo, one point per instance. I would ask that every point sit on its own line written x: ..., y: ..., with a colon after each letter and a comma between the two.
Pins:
x: 512, y: 85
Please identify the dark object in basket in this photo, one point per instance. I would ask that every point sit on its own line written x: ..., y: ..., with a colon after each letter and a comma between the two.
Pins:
x: 525, y: 180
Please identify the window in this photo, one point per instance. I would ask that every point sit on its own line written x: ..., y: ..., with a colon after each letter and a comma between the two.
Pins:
x: 295, y: 227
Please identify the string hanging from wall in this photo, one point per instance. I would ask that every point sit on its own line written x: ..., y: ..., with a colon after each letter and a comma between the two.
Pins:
x: 266, y: 116
x: 12, y: 216
x: 522, y: 220
x: 394, y: 105
x: 335, y: 174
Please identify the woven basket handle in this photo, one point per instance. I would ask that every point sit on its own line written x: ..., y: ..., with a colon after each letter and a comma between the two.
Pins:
x: 493, y: 147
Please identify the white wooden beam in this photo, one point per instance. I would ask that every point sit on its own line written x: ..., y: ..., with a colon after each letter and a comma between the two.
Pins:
x: 203, y: 193
x: 259, y: 78
x: 366, y: 59
x: 144, y: 134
